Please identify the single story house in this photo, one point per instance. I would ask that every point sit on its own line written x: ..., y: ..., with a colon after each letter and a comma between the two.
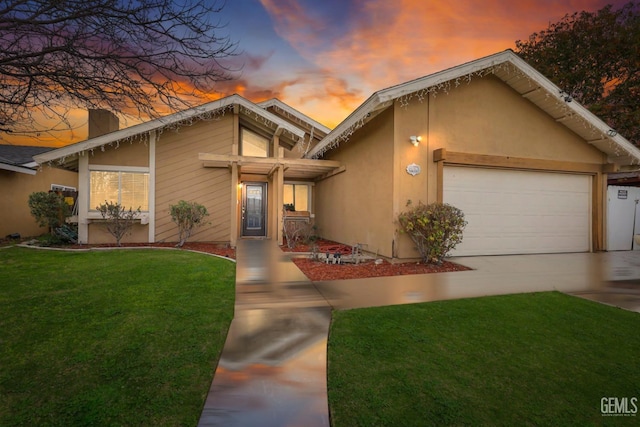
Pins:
x: 20, y: 176
x: 525, y: 163
x: 241, y: 160
x: 494, y: 137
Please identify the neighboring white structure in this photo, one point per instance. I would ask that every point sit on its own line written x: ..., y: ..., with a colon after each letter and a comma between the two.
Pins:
x: 623, y: 217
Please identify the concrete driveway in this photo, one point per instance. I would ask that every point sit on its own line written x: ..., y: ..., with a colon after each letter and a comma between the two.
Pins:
x: 272, y: 371
x: 611, y: 277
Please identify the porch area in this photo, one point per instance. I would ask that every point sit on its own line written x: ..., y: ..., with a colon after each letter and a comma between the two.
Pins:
x: 258, y: 190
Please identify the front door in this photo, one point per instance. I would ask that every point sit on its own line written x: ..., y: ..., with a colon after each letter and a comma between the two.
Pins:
x: 254, y: 209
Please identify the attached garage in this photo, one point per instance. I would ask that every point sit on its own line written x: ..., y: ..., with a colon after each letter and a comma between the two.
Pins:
x: 520, y: 212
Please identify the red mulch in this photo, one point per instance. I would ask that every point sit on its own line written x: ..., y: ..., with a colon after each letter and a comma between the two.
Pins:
x: 319, y: 271
x: 210, y: 248
x: 324, y: 246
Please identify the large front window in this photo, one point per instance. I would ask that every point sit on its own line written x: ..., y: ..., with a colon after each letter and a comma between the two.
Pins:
x: 298, y: 195
x: 129, y: 189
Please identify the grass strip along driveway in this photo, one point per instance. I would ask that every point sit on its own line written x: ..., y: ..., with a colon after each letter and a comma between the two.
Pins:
x: 530, y: 359
x: 125, y: 337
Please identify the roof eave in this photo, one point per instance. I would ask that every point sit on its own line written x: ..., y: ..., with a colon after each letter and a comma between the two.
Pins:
x: 386, y: 96
x: 163, y: 122
x: 275, y: 102
x: 19, y: 169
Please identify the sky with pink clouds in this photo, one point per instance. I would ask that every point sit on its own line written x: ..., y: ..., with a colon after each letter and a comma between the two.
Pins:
x: 326, y: 57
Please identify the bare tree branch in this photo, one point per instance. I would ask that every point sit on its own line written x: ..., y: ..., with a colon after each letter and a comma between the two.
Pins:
x: 141, y: 57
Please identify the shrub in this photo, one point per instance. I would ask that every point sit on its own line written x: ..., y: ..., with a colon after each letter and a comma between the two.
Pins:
x: 118, y: 220
x: 435, y: 229
x: 49, y: 209
x: 296, y: 232
x: 188, y: 216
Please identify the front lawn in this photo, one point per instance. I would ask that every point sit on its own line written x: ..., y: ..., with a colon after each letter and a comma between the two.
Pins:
x: 125, y: 337
x: 531, y: 359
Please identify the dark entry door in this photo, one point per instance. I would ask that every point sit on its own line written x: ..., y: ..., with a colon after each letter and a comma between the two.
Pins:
x: 254, y: 209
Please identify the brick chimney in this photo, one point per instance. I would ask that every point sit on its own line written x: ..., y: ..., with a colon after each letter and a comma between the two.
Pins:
x: 101, y: 122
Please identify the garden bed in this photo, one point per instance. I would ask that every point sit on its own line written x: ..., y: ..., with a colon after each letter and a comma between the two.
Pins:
x: 319, y: 271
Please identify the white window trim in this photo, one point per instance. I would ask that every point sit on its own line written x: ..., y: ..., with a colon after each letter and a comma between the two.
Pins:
x: 58, y: 187
x: 111, y: 168
x: 92, y: 212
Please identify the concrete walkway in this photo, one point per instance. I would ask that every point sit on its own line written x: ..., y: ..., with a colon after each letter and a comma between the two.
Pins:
x: 272, y: 370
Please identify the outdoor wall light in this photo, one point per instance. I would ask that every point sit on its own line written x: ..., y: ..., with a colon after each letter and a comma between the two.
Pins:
x: 612, y: 132
x: 415, y: 140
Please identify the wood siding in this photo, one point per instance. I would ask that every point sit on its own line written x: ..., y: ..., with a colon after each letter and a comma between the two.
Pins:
x: 181, y: 176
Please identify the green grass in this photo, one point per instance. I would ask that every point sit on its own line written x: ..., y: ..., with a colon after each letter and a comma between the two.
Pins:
x: 127, y: 337
x: 531, y: 359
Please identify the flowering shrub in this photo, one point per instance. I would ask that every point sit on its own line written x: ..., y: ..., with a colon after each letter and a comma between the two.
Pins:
x: 435, y: 229
x: 188, y: 216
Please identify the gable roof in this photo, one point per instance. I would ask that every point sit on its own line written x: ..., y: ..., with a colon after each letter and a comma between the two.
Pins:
x: 515, y: 72
x: 293, y: 113
x: 19, y: 158
x: 67, y: 156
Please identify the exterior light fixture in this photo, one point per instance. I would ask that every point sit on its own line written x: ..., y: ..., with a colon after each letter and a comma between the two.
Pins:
x: 612, y: 132
x: 415, y: 140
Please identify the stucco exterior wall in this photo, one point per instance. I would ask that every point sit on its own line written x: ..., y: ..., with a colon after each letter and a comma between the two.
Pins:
x: 16, y: 217
x: 488, y: 117
x: 483, y: 117
x: 181, y: 176
x: 356, y: 206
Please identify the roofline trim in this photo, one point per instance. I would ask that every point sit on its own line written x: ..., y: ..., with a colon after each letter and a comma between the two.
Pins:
x: 165, y: 122
x: 385, y: 97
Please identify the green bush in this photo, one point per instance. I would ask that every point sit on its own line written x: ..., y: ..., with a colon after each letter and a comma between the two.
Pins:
x: 435, y: 229
x: 49, y: 209
x: 188, y: 216
x: 118, y: 220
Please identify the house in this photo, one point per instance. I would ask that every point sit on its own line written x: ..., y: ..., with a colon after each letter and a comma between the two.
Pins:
x: 525, y: 163
x: 494, y: 137
x: 241, y: 160
x: 20, y: 176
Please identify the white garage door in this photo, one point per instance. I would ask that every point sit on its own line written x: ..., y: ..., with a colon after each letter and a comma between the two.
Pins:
x: 520, y: 212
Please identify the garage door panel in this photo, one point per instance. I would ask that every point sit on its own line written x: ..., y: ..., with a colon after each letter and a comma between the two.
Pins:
x: 515, y: 212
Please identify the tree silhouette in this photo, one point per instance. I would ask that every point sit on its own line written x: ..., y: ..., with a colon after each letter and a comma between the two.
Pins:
x: 595, y: 58
x: 141, y: 57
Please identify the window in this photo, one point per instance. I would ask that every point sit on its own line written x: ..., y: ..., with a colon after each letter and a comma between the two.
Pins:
x: 58, y: 187
x: 129, y: 189
x: 298, y: 195
x: 253, y: 144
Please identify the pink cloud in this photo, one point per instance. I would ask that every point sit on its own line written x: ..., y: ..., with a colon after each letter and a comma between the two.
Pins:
x: 391, y: 42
